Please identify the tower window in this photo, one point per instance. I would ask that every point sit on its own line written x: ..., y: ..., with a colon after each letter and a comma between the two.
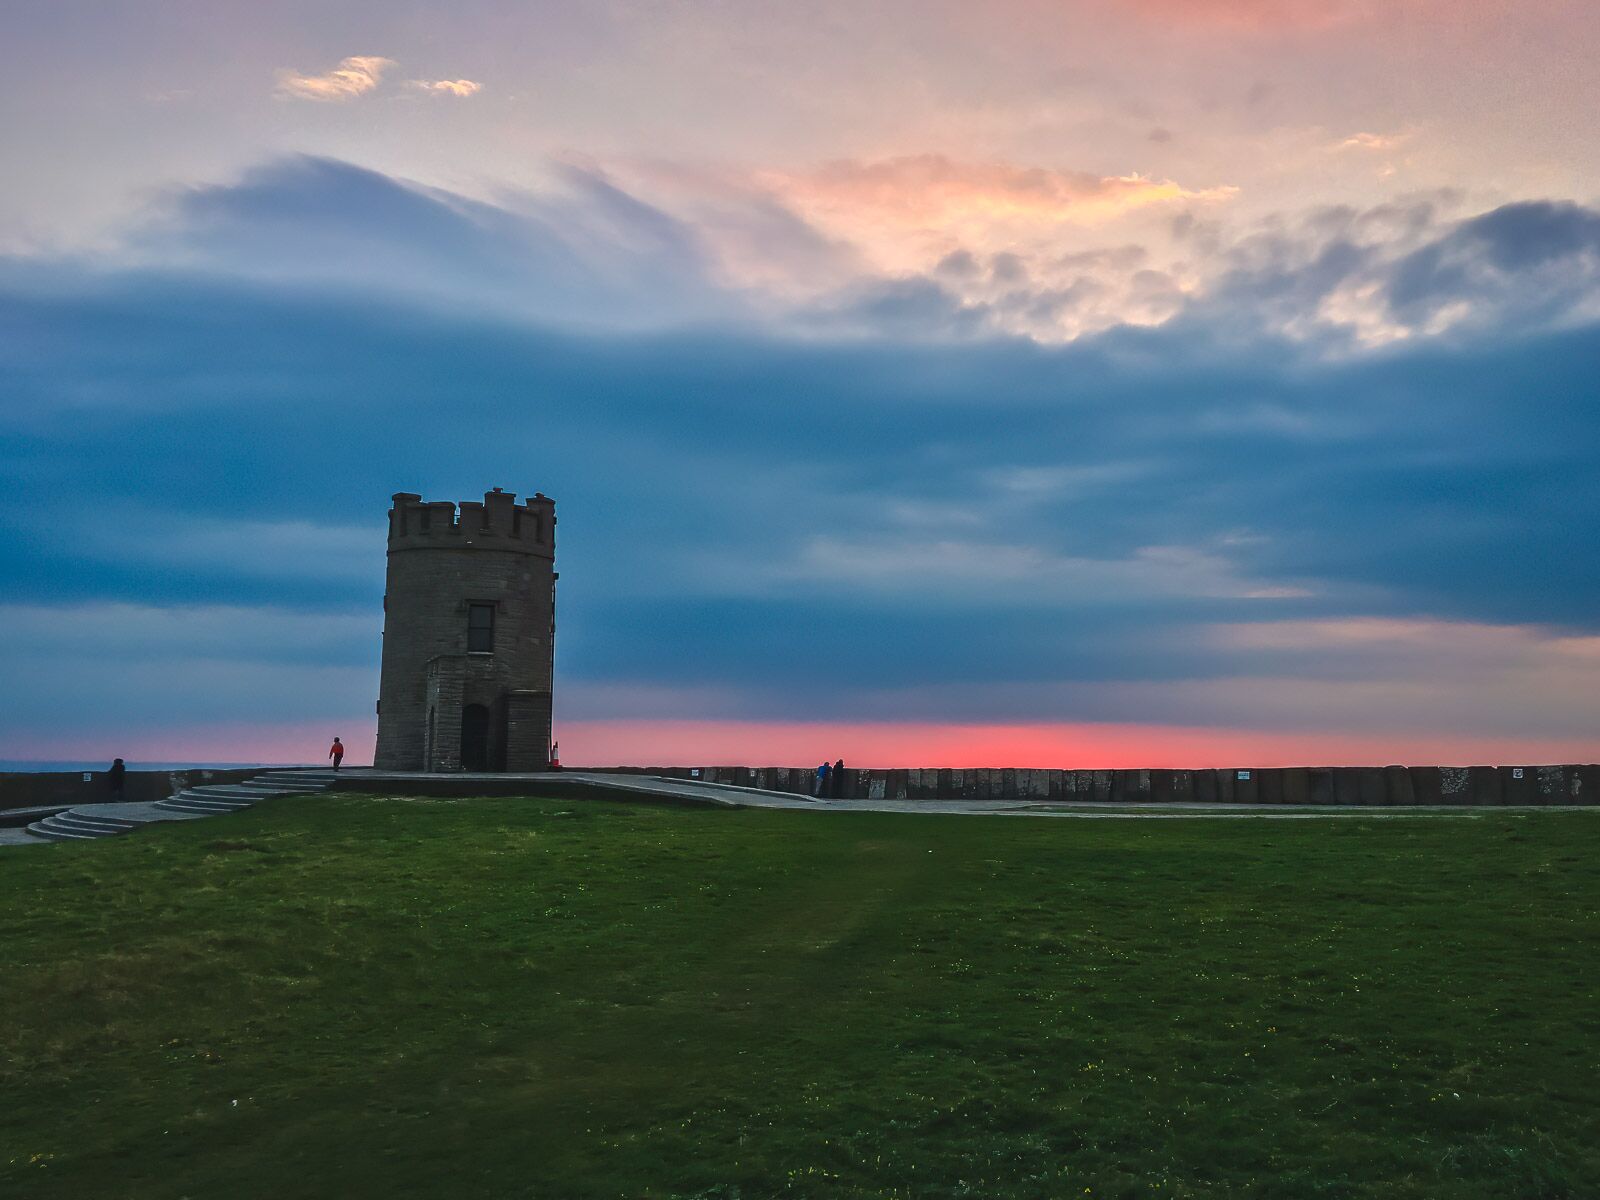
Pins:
x: 480, y: 628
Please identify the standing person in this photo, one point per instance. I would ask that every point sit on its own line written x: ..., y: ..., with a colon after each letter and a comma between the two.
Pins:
x: 115, y: 778
x: 336, y: 752
x: 838, y: 779
x: 820, y: 791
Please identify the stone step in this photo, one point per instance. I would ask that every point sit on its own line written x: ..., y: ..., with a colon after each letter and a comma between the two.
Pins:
x: 203, y: 800
x: 238, y: 789
x: 198, y: 804
x: 261, y: 788
x: 79, y: 821
x: 239, y: 798
x: 20, y: 817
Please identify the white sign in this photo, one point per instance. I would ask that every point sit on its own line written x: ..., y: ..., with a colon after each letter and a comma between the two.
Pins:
x: 694, y: 772
x: 1244, y: 776
x: 88, y: 776
x: 1516, y: 772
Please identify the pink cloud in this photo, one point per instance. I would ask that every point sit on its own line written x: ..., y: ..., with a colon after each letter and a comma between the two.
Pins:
x: 930, y: 188
x: 1373, y: 141
x: 354, y: 76
x: 1259, y: 14
x: 459, y: 88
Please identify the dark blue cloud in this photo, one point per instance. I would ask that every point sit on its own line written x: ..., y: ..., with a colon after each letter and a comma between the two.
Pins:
x: 1524, y: 264
x: 584, y: 252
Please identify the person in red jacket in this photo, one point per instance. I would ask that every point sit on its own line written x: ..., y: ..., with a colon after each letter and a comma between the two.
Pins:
x: 336, y: 753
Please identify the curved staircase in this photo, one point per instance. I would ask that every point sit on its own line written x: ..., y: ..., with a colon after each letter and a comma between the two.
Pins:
x: 204, y: 800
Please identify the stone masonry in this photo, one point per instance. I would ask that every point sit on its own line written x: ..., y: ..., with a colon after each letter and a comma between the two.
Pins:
x: 468, y: 635
x: 1357, y: 787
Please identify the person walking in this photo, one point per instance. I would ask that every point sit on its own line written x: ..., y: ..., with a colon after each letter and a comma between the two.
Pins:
x: 336, y: 752
x: 820, y: 790
x: 116, y: 778
x: 838, y: 780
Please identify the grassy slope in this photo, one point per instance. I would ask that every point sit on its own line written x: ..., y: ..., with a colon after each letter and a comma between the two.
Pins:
x: 529, y: 998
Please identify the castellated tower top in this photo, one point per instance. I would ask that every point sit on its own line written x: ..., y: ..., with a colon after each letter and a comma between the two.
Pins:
x: 498, y: 523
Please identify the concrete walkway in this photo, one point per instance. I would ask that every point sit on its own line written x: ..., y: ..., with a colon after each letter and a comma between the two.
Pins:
x: 728, y: 795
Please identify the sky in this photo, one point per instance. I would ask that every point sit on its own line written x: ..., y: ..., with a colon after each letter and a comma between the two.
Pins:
x: 1041, y: 383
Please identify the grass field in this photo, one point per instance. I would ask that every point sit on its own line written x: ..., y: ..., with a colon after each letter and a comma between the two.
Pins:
x: 349, y: 997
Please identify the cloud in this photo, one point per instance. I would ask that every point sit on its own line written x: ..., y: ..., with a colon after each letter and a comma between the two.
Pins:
x: 1372, y: 141
x: 1243, y: 515
x: 593, y: 249
x: 930, y: 189
x: 460, y: 88
x: 120, y: 633
x: 1522, y: 265
x: 1003, y: 243
x: 119, y: 674
x: 1344, y: 279
x: 1006, y: 573
x: 354, y: 76
x: 582, y: 250
x: 1261, y: 15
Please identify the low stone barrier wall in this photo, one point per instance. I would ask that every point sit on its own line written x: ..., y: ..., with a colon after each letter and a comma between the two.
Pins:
x: 1530, y: 785
x: 25, y: 789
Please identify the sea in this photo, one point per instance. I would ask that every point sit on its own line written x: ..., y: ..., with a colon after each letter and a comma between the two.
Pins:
x: 29, y: 766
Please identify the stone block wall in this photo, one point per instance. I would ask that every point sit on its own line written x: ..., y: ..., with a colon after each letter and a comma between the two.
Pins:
x: 1288, y: 786
x: 25, y: 789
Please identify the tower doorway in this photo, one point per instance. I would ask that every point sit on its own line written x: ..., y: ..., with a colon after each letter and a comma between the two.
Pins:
x: 474, y: 738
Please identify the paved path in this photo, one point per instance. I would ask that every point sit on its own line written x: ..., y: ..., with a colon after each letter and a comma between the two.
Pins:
x: 734, y: 796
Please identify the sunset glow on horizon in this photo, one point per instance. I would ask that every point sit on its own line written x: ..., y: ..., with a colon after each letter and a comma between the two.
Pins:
x: 888, y: 746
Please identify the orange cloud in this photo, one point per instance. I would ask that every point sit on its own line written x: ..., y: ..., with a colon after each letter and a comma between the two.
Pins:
x: 1373, y: 141
x: 354, y: 76
x: 461, y: 88
x: 934, y: 190
x: 906, y: 215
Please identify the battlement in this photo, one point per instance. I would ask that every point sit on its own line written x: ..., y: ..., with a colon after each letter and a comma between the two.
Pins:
x: 498, y: 522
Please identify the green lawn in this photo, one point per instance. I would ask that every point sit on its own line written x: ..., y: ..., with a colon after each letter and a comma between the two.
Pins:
x: 350, y: 997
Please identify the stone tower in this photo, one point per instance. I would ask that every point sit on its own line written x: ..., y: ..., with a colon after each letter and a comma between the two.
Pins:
x: 468, y: 635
